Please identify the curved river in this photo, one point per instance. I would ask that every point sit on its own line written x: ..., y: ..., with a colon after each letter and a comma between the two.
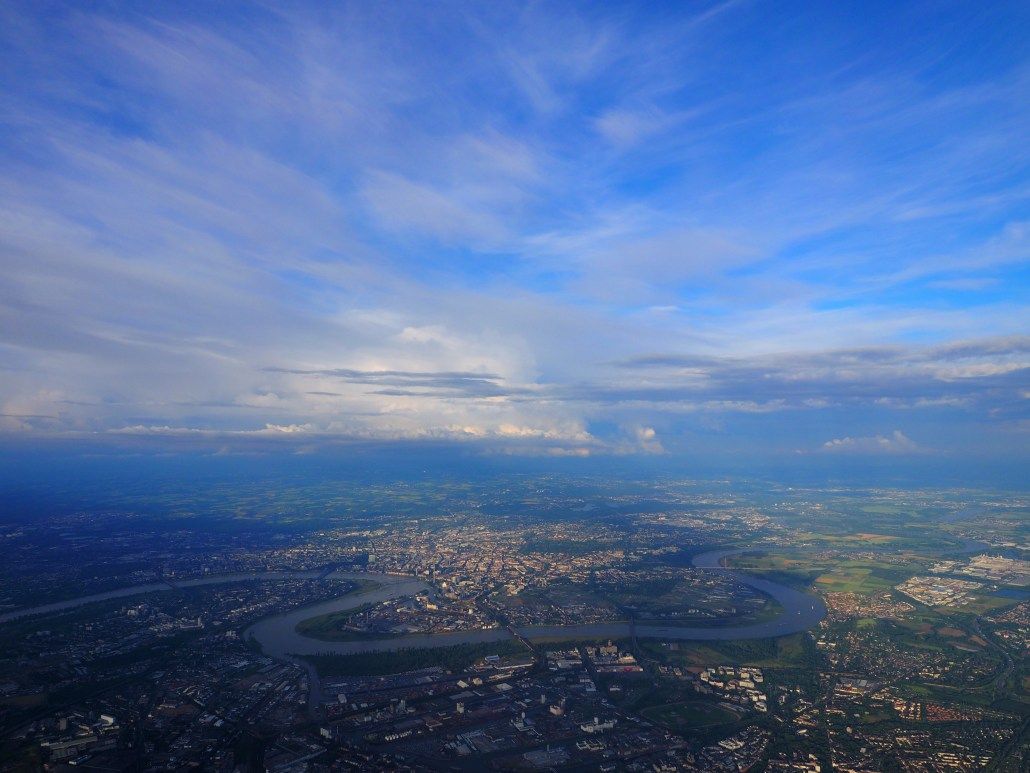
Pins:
x: 278, y: 636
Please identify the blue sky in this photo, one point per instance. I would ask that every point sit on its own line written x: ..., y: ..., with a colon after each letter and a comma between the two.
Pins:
x: 536, y: 229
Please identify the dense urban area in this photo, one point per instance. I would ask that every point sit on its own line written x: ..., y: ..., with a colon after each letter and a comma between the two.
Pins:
x: 518, y: 623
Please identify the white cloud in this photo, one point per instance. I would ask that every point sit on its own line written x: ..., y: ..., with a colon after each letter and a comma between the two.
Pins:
x: 647, y: 440
x: 185, y: 246
x: 628, y: 127
x: 895, y: 443
x: 404, y: 204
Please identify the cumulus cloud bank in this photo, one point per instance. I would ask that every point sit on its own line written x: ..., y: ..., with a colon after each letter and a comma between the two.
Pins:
x: 895, y: 443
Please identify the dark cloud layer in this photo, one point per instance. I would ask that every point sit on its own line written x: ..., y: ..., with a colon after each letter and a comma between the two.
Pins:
x: 993, y: 371
x: 401, y: 383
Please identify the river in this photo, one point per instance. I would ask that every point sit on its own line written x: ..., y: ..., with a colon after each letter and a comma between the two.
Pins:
x: 278, y: 636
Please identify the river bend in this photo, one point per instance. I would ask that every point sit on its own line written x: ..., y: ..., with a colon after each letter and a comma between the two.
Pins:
x: 278, y: 636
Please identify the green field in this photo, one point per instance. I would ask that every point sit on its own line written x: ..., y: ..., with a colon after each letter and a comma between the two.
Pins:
x: 982, y: 603
x: 855, y: 540
x: 794, y: 651
x: 841, y: 576
x: 689, y: 715
x: 856, y: 578
x: 331, y: 627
